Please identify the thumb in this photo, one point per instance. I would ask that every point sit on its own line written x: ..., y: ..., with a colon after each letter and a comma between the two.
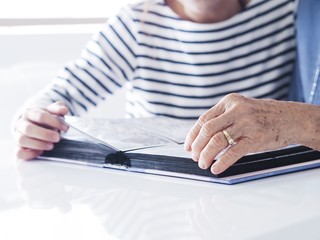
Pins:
x: 57, y: 108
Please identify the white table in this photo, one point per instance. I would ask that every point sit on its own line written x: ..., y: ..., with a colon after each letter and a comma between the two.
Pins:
x: 46, y: 200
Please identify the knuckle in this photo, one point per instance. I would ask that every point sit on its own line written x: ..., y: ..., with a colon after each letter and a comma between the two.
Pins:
x: 202, y: 120
x: 206, y: 130
x: 20, y: 139
x: 26, y: 128
x: 238, y: 107
x: 40, y: 116
x: 243, y: 108
x: 28, y: 112
x: 207, y: 157
x: 218, y: 140
x: 232, y: 96
x: 237, y: 96
x: 191, y: 135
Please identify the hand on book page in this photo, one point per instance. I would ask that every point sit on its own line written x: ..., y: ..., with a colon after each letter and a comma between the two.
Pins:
x: 37, y: 130
x: 246, y: 125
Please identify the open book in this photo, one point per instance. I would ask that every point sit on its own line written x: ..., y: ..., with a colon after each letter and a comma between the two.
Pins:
x: 155, y: 146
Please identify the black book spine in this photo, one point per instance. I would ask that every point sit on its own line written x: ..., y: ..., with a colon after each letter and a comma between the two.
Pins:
x: 117, y: 159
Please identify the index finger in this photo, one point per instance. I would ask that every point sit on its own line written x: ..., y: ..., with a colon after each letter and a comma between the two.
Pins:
x: 45, y: 119
x: 207, y: 116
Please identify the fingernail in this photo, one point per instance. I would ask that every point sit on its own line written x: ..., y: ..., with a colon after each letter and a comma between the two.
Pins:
x: 187, y: 147
x: 56, y: 138
x: 195, y: 158
x: 215, y: 169
x: 202, y: 165
x: 49, y: 146
x: 65, y: 127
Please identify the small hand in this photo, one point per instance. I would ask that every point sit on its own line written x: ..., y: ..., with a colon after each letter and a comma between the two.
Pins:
x: 254, y: 124
x: 38, y: 129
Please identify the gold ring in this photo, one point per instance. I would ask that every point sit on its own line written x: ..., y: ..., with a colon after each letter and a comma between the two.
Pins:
x: 228, y: 137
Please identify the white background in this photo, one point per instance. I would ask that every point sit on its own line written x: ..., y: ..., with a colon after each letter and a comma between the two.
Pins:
x: 59, y: 8
x: 30, y: 56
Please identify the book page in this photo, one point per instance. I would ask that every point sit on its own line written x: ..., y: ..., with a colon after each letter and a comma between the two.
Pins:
x: 176, y: 150
x: 173, y: 129
x: 129, y: 134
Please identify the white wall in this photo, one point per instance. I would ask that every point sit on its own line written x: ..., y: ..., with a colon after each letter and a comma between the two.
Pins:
x: 29, y: 61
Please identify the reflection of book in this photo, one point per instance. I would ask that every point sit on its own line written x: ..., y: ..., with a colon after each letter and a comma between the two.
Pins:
x: 155, y: 146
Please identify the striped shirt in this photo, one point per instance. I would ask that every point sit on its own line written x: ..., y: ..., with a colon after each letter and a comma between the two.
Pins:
x: 178, y: 68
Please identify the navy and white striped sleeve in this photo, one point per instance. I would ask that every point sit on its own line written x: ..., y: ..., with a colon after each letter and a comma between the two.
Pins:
x: 106, y: 64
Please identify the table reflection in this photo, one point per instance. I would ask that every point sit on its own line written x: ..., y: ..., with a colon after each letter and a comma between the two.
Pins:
x: 137, y: 206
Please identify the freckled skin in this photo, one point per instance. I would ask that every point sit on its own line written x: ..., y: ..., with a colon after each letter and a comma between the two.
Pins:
x: 256, y: 125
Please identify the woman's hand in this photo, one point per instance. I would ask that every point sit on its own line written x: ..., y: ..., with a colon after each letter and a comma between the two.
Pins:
x: 38, y: 129
x: 255, y: 125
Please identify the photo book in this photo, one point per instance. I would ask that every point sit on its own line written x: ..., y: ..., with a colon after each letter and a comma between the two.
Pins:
x: 155, y: 146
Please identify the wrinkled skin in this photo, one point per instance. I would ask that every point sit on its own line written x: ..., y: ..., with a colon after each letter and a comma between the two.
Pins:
x: 255, y: 125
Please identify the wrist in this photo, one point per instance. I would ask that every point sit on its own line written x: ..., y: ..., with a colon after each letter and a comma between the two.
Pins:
x: 304, y: 124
